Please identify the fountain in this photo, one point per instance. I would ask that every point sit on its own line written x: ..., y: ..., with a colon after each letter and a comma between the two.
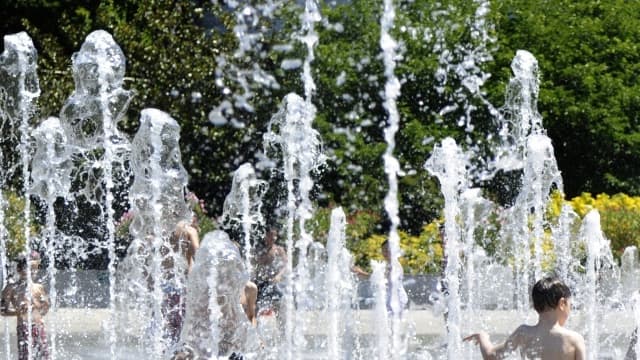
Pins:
x: 392, y: 169
x: 297, y: 144
x: 242, y: 209
x: 158, y: 205
x: 20, y: 92
x: 51, y: 179
x: 448, y: 163
x: 89, y: 118
x: 215, y: 322
x: 79, y: 156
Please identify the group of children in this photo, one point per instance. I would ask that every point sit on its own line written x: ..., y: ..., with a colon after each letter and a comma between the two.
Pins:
x: 548, y: 339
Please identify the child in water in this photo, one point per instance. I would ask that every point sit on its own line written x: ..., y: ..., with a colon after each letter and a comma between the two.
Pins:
x: 548, y: 339
x: 28, y: 300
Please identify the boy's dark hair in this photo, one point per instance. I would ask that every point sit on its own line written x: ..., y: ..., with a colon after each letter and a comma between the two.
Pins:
x: 547, y: 292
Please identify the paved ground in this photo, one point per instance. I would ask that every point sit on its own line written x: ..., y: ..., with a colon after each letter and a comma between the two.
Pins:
x: 426, y: 321
x: 81, y: 334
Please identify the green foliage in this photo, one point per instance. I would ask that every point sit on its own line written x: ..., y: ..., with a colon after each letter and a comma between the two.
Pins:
x: 171, y: 55
x: 15, y: 224
x: 319, y: 225
x: 205, y: 222
x: 350, y: 77
x: 587, y: 52
x: 360, y: 225
x: 420, y: 254
x: 178, y: 62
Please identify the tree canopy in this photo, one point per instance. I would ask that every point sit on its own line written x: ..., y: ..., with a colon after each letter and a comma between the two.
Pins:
x: 185, y: 58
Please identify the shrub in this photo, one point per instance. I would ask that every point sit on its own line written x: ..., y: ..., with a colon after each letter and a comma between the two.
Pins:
x: 420, y: 254
x: 319, y: 225
x: 14, y: 223
x: 360, y: 225
x: 619, y: 217
x: 205, y: 222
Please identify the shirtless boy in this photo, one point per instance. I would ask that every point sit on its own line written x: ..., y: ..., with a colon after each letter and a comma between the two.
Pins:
x: 548, y: 339
x: 17, y: 300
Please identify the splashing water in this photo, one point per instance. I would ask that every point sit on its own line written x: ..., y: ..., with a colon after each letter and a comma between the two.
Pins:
x: 635, y: 300
x: 18, y: 96
x: 291, y: 134
x: 566, y: 263
x: 524, y: 146
x: 448, y: 163
x: 90, y: 118
x: 599, y: 257
x: 392, y: 169
x: 249, y: 18
x: 339, y: 289
x: 51, y: 176
x: 540, y: 177
x: 464, y: 64
x: 519, y: 117
x: 158, y: 206
x: 215, y: 322
x: 243, y: 206
x: 310, y: 39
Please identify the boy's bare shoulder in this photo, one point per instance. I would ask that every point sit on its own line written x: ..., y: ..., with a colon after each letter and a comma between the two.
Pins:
x: 563, y: 331
x: 573, y: 336
x: 577, y: 342
x: 525, y: 329
x: 521, y: 334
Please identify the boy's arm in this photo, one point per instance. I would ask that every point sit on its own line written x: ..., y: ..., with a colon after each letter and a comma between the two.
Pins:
x: 486, y: 347
x: 492, y: 352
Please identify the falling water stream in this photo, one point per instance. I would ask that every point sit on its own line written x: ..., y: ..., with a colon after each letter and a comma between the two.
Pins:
x: 448, y: 163
x: 20, y: 96
x: 242, y: 207
x: 392, y: 169
x: 90, y: 118
x: 51, y: 179
x: 291, y: 133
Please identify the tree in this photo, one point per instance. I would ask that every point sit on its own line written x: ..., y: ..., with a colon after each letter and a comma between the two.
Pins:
x: 184, y: 58
x: 350, y: 85
x: 587, y: 53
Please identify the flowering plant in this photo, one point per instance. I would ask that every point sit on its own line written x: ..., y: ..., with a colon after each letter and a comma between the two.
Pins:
x: 122, y: 225
x: 205, y: 223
